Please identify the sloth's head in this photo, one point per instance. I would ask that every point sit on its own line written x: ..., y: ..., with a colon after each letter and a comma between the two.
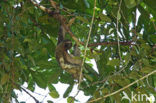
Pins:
x: 67, y: 44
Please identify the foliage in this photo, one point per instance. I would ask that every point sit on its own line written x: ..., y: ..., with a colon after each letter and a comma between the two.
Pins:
x: 28, y: 37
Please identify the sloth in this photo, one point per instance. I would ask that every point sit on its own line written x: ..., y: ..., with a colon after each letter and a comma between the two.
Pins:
x: 68, y: 62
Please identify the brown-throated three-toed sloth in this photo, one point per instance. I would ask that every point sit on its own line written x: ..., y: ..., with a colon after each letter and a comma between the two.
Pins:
x: 68, y: 62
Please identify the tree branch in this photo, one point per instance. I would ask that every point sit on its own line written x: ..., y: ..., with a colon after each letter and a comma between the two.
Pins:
x: 110, y: 43
x: 62, y: 19
x: 30, y: 95
x: 123, y: 87
x: 86, y: 45
x: 58, y: 17
x: 118, y: 38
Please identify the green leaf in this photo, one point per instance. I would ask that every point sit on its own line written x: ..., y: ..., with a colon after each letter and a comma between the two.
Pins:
x: 154, y: 80
x: 117, y: 97
x: 101, y: 64
x: 104, y: 18
x: 4, y: 79
x: 134, y: 75
x: 96, y: 94
x: 27, y: 40
x: 66, y: 78
x: 53, y: 93
x: 118, y: 16
x: 40, y: 80
x: 105, y: 91
x: 31, y: 84
x: 82, y: 19
x: 86, y: 3
x: 151, y: 3
x: 145, y: 62
x: 152, y: 38
x: 146, y: 69
x: 130, y: 3
x: 68, y: 90
x: 87, y: 76
x: 32, y: 60
x: 153, y: 60
x: 121, y: 81
x: 50, y: 101
x: 114, y: 62
x: 70, y: 100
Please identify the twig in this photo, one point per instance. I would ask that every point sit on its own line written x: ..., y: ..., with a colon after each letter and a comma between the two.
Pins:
x: 30, y: 95
x: 84, y: 57
x: 123, y: 87
x: 44, y: 97
x: 87, y: 43
x: 33, y: 92
x: 75, y: 96
x: 118, y: 39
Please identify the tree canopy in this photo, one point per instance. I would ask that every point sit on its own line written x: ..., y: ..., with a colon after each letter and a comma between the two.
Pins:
x: 120, y: 35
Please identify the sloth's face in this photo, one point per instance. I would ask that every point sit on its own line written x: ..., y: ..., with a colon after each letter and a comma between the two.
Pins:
x: 67, y: 44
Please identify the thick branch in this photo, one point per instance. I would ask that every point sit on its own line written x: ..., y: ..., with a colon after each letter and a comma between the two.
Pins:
x: 63, y: 20
x: 110, y: 43
x: 60, y: 18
